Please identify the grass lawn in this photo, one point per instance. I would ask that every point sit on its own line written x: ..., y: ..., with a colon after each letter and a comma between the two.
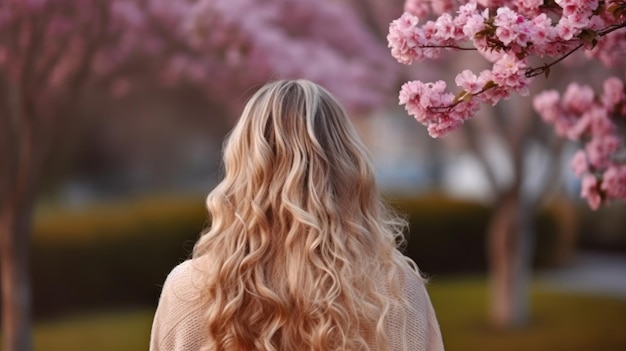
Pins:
x: 110, y: 331
x: 561, y: 322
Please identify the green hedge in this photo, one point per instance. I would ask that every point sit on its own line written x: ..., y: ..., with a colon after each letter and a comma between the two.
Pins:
x: 111, y: 255
x: 448, y: 235
x: 119, y: 254
x: 603, y: 229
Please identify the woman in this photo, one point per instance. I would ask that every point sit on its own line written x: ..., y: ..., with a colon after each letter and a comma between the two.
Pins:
x: 301, y: 253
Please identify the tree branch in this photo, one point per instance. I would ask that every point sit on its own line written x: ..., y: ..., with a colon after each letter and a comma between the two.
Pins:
x: 471, y: 135
x: 9, y: 129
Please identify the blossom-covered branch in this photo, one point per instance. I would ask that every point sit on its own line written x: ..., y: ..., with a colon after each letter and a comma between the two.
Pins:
x: 583, y: 116
x: 508, y: 36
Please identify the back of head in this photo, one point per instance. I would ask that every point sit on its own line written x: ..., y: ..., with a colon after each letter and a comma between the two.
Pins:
x: 295, y: 141
x: 300, y: 242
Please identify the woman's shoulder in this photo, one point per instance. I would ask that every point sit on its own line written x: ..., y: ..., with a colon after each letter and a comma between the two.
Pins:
x: 178, y: 320
x: 185, y: 281
x: 419, y: 324
x: 410, y: 274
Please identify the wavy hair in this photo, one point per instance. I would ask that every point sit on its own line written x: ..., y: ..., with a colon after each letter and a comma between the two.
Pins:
x: 303, y: 251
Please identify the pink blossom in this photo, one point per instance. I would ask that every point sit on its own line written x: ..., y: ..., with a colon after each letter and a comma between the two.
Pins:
x: 569, y: 27
x: 614, y: 182
x: 489, y: 3
x: 404, y: 38
x: 579, y: 163
x: 464, y: 110
x: 446, y: 121
x: 474, y: 24
x: 597, y: 22
x: 419, y: 97
x: 568, y: 6
x: 574, y: 7
x: 578, y: 98
x: 434, y: 95
x: 409, y: 91
x: 431, y: 38
x: 594, y: 122
x: 610, y: 49
x: 529, y: 7
x: 506, y: 17
x: 544, y: 34
x: 509, y: 72
x: 433, y: 107
x: 445, y: 27
x: 506, y: 34
x: 469, y: 82
x: 508, y: 24
x: 613, y: 92
x: 601, y: 149
x: 494, y: 95
x: 525, y: 33
x: 600, y: 123
x: 589, y: 191
x: 547, y: 105
x: 430, y: 31
x: 442, y: 6
x: 417, y: 8
x: 466, y: 11
x: 445, y: 125
x: 484, y: 77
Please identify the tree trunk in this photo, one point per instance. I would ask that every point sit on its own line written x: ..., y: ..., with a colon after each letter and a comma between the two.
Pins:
x: 17, y: 186
x: 15, y: 229
x: 510, y: 249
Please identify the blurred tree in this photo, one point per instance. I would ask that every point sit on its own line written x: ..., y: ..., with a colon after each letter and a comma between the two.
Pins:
x: 528, y: 152
x: 53, y: 51
x: 581, y: 116
x: 521, y: 160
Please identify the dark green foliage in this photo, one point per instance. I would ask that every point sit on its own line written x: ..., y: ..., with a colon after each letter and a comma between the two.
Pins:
x: 111, y: 256
x: 449, y: 235
x: 604, y: 229
x: 119, y: 254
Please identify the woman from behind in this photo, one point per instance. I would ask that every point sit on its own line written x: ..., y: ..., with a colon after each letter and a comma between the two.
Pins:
x: 301, y: 253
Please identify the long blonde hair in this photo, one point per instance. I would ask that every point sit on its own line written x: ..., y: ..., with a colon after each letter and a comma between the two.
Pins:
x: 303, y: 252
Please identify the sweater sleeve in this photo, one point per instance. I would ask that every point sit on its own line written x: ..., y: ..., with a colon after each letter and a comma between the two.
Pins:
x: 422, y: 320
x: 177, y: 324
x: 419, y: 329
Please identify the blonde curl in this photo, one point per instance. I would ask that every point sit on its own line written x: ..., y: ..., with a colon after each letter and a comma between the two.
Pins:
x: 303, y: 252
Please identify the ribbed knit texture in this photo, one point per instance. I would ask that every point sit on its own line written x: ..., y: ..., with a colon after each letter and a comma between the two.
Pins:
x: 178, y: 321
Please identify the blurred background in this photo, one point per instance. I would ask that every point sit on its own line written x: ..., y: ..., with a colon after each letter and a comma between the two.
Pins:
x: 112, y: 118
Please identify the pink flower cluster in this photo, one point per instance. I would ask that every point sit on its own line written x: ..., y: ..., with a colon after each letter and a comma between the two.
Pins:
x: 508, y: 33
x: 582, y: 116
x: 505, y: 39
x: 435, y: 108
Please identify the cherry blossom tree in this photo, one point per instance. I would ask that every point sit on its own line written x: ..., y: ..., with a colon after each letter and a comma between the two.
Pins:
x: 521, y: 39
x: 53, y: 51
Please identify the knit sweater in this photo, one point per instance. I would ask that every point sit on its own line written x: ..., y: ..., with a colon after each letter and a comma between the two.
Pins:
x: 178, y: 321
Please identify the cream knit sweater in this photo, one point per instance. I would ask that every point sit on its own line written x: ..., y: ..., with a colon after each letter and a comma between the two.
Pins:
x: 178, y: 319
